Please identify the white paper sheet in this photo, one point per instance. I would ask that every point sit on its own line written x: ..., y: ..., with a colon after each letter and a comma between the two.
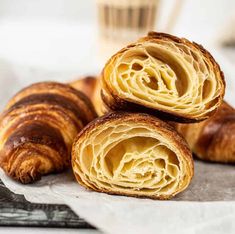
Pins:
x: 199, y: 209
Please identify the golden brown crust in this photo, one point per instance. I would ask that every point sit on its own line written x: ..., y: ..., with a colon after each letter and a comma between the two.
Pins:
x: 116, y: 103
x: 118, y: 100
x: 86, y: 85
x: 38, y: 127
x: 90, y: 85
x: 213, y: 139
x: 114, y: 119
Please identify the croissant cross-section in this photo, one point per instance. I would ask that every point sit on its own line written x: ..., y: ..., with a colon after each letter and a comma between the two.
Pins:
x: 163, y: 73
x: 132, y: 154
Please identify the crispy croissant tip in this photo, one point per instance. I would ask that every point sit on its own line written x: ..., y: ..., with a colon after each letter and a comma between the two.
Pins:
x: 132, y: 154
x: 86, y: 85
x: 90, y: 85
x: 213, y: 139
x: 166, y: 76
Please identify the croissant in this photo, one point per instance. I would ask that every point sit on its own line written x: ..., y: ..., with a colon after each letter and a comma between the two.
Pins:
x: 132, y: 154
x: 91, y: 86
x: 38, y: 127
x: 86, y: 84
x: 166, y: 76
x: 213, y: 139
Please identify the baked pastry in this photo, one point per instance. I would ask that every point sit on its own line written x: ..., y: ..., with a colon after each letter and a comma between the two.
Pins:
x: 164, y: 75
x: 132, y: 154
x: 86, y: 85
x: 38, y: 127
x: 213, y: 139
x: 90, y: 85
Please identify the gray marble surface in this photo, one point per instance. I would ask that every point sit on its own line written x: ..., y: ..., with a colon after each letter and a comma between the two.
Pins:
x: 211, y: 182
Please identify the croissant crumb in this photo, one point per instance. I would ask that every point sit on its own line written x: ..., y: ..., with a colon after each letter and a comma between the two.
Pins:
x: 132, y: 154
x: 166, y: 76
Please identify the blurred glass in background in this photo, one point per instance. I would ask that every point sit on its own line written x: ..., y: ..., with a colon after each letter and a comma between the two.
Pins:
x: 126, y: 20
x: 122, y: 22
x: 63, y: 39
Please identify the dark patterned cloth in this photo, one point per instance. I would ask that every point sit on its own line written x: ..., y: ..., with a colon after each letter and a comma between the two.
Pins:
x: 15, y: 210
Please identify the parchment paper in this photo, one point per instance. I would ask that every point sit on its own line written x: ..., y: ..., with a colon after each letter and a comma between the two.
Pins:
x: 207, y: 205
x: 211, y: 182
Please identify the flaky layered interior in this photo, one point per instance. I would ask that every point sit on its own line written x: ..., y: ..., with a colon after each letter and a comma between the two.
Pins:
x: 165, y: 74
x: 131, y: 157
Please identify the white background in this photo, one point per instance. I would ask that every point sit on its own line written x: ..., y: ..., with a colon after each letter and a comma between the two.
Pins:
x: 61, y: 35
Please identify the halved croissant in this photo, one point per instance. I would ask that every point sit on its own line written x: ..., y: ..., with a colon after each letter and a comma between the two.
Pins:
x: 164, y: 75
x: 213, y: 139
x: 38, y: 127
x: 132, y: 154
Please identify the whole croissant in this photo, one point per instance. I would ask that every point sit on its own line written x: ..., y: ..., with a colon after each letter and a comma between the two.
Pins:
x: 213, y: 139
x: 86, y: 84
x: 38, y: 127
x: 90, y: 85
